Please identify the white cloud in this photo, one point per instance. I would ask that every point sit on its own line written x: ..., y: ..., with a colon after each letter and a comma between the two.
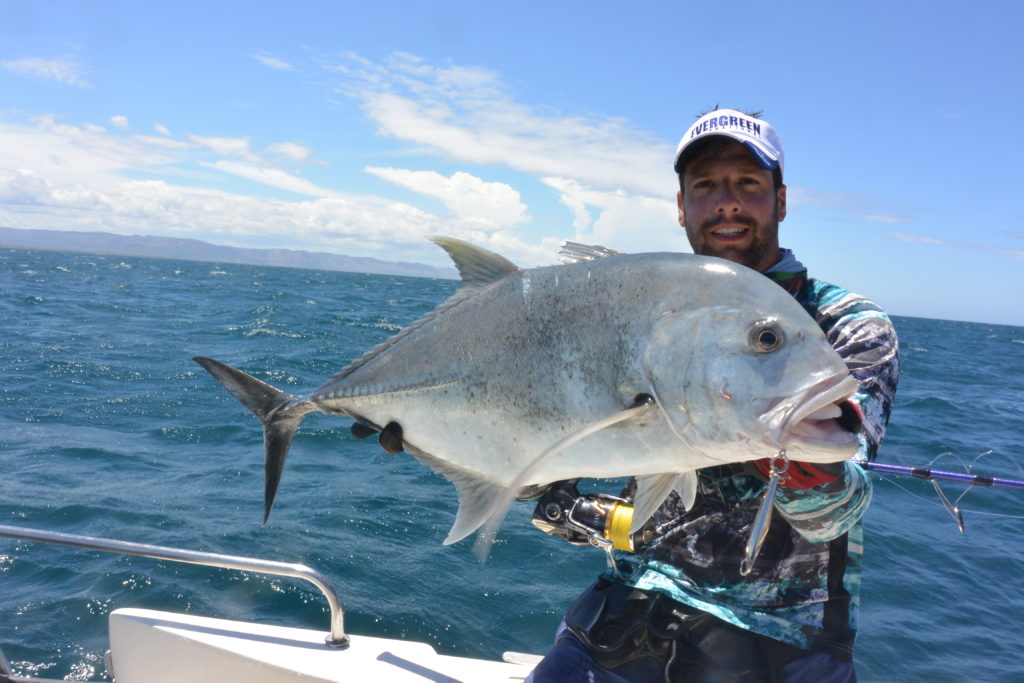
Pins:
x: 882, y: 218
x: 166, y: 143
x: 64, y: 152
x: 229, y: 147
x: 273, y: 177
x: 490, y: 205
x: 120, y: 122
x: 292, y: 151
x: 606, y: 172
x: 915, y: 239
x: 272, y: 62
x: 61, y: 70
x: 59, y: 176
x: 841, y: 202
x: 466, y: 114
x: 924, y: 239
x: 392, y: 230
x: 624, y: 221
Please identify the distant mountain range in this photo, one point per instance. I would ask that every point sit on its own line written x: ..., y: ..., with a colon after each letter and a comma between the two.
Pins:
x: 197, y: 250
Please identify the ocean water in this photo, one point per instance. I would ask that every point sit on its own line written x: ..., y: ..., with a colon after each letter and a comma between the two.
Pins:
x: 107, y: 428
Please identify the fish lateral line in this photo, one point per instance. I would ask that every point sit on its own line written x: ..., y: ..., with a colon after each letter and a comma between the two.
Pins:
x: 325, y: 396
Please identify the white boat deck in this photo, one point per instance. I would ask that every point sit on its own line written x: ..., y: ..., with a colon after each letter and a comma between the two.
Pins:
x: 150, y: 646
x: 153, y: 647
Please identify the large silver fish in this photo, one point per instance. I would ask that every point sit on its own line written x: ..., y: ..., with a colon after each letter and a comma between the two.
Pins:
x: 646, y: 365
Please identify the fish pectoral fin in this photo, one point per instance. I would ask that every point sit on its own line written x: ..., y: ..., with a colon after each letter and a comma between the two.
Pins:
x: 687, y: 489
x: 643, y: 406
x: 652, y: 490
x: 477, y: 266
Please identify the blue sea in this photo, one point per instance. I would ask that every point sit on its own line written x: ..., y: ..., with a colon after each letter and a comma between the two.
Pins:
x: 107, y: 428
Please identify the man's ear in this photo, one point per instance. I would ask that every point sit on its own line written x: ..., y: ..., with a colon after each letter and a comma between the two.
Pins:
x: 780, y: 198
x: 682, y: 214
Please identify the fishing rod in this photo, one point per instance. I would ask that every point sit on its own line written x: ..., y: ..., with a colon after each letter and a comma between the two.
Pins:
x: 931, y: 475
x: 604, y: 521
x: 934, y: 476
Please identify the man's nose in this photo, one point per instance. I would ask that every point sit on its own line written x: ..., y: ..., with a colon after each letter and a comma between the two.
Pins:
x: 728, y: 200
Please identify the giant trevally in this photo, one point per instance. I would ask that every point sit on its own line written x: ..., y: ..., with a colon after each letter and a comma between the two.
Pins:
x: 648, y: 365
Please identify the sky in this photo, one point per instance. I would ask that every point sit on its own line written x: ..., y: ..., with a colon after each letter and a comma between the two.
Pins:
x: 362, y: 128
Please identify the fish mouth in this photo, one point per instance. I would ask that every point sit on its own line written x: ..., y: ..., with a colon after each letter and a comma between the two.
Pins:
x: 819, y: 424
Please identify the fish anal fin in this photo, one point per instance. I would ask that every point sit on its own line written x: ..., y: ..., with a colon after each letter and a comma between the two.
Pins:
x: 476, y: 503
x: 477, y: 496
x: 476, y: 265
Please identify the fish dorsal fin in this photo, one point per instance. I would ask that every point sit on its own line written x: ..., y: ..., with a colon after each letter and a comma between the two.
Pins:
x: 577, y: 252
x: 651, y: 492
x: 476, y: 265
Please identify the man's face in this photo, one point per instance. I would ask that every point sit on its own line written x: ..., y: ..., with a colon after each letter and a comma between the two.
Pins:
x: 730, y: 207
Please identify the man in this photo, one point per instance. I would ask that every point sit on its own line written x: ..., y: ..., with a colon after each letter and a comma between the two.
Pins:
x: 679, y: 608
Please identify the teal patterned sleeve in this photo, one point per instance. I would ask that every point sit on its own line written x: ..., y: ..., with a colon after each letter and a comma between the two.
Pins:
x: 865, y: 338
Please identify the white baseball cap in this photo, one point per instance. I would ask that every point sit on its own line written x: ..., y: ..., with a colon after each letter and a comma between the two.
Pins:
x: 759, y: 136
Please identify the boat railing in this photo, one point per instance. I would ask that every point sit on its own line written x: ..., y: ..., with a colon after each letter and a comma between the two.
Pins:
x: 336, y: 638
x: 5, y: 666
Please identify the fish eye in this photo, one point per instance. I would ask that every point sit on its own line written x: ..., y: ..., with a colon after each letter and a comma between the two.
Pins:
x: 766, y: 336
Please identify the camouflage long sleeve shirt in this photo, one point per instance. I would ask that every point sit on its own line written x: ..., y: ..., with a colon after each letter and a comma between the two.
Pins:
x: 805, y: 584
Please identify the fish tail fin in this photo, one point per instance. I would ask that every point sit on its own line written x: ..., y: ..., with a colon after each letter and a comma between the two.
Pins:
x: 279, y: 412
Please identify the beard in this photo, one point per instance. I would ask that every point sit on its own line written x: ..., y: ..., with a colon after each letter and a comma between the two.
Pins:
x: 762, y: 248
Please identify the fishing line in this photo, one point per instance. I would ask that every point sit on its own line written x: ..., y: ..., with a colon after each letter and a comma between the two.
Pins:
x: 934, y: 476
x: 932, y: 502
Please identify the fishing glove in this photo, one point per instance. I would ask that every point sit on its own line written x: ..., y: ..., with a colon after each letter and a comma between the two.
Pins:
x: 802, y: 475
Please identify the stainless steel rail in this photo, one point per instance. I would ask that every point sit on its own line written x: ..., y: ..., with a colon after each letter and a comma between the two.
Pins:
x: 5, y: 666
x: 336, y: 637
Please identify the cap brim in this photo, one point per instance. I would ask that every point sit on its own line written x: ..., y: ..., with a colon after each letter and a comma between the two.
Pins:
x: 760, y: 156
